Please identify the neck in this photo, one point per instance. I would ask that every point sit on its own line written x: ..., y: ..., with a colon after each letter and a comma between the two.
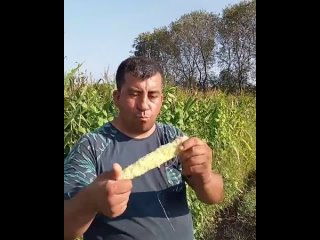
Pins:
x: 122, y: 127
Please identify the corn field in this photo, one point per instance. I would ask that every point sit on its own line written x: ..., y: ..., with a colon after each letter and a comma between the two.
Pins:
x: 226, y: 122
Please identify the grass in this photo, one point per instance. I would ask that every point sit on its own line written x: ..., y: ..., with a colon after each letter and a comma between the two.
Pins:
x: 238, y: 220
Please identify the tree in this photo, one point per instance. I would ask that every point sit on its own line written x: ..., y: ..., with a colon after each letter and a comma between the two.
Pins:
x: 194, y: 36
x: 185, y: 48
x: 237, y: 41
x: 191, y: 47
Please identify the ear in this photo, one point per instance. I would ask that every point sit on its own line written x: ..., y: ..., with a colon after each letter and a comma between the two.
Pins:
x: 116, y: 97
x: 162, y: 98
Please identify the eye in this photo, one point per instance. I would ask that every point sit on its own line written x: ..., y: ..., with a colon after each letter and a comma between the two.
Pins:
x: 153, y: 95
x: 134, y: 94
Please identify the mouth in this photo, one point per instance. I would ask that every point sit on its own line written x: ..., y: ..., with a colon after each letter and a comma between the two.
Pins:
x: 143, y: 118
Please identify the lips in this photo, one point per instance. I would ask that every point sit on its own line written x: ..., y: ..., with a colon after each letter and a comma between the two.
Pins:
x: 143, y: 116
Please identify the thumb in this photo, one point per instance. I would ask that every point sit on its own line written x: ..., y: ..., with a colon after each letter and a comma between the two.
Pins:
x: 114, y: 174
x: 182, y: 140
x: 116, y: 171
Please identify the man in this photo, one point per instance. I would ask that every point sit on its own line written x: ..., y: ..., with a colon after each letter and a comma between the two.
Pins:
x: 98, y: 205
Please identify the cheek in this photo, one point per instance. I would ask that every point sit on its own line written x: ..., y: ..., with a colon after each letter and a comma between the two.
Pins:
x: 156, y: 106
x: 126, y: 105
x: 129, y: 102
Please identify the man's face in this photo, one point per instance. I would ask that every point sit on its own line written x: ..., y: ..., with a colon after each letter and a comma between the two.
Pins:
x: 139, y: 102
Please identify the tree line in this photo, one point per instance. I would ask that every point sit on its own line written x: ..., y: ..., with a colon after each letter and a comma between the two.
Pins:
x: 203, y: 50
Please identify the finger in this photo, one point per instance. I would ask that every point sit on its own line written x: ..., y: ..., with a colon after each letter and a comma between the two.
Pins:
x: 120, y: 198
x: 117, y: 171
x: 183, y: 138
x: 122, y: 186
x: 118, y: 210
x: 114, y: 174
x: 193, y: 141
x: 192, y: 152
x: 195, y: 160
x: 195, y: 169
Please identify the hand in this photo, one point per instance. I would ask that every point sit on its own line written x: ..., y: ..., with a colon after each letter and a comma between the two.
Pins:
x: 196, y: 158
x: 110, y: 196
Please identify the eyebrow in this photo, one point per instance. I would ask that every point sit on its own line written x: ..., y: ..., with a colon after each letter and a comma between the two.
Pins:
x: 154, y: 92
x: 133, y: 89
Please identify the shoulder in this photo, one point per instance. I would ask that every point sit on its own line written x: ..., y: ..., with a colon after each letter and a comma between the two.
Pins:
x: 96, y: 140
x: 101, y: 135
x: 170, y: 131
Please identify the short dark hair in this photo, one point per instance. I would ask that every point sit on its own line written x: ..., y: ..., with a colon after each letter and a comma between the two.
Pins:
x: 140, y: 67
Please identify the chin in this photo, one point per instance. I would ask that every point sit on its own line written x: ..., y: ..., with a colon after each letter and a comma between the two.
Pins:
x: 145, y: 126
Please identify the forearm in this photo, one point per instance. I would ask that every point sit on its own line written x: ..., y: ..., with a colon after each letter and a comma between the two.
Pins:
x: 208, y: 189
x: 78, y: 215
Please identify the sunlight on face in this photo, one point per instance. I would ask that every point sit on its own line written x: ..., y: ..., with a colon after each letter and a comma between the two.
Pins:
x: 139, y: 102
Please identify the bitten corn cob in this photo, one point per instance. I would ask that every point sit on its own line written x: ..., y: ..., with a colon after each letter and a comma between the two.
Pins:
x: 154, y: 159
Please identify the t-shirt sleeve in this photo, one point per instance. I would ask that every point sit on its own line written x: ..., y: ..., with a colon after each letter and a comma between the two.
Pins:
x: 173, y: 132
x: 79, y: 167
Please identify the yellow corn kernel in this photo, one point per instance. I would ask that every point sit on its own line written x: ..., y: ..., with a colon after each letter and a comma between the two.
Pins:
x: 154, y: 159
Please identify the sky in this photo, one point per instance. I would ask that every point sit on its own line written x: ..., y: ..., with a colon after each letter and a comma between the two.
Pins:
x: 99, y: 34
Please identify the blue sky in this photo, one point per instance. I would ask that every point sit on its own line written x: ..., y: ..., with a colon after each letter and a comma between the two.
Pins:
x: 100, y: 33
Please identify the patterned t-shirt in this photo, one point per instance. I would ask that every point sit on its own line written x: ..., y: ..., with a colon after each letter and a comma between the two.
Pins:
x: 157, y: 207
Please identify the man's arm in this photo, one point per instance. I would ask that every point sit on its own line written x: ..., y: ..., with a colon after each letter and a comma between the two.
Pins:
x: 79, y: 173
x: 78, y: 214
x: 196, y: 158
x: 210, y: 191
x: 106, y: 194
x: 88, y: 193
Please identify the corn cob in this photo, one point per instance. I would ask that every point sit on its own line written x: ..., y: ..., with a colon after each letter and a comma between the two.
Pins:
x: 154, y: 159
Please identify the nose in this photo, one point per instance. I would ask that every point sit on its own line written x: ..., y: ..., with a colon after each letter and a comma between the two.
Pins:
x: 142, y: 103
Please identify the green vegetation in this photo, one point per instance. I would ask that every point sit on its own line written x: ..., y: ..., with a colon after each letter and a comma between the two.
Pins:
x: 218, y: 106
x: 226, y: 122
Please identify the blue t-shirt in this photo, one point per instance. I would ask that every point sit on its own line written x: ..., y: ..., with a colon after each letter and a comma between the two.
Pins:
x: 157, y: 207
